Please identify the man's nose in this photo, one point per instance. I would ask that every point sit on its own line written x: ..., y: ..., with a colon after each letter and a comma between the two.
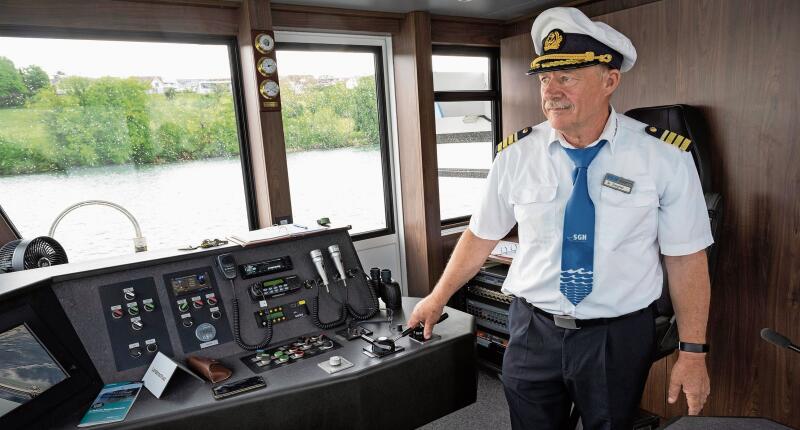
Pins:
x: 551, y: 89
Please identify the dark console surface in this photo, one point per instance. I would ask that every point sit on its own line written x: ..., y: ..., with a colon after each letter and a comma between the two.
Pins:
x: 273, y: 310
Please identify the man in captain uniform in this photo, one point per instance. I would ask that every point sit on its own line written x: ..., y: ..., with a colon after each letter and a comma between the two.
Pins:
x: 596, y: 197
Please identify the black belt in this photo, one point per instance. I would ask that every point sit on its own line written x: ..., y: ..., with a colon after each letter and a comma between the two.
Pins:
x: 569, y: 322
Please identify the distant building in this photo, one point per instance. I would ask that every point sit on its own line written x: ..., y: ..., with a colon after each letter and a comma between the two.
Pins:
x: 204, y: 86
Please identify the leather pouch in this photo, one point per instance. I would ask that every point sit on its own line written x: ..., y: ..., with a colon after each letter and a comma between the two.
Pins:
x: 209, y: 368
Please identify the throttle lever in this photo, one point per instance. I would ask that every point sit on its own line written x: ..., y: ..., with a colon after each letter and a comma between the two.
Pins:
x: 410, y: 330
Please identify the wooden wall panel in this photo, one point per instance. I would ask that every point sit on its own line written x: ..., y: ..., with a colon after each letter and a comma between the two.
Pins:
x: 112, y: 15
x: 417, y: 146
x: 331, y: 19
x: 520, y: 92
x: 738, y: 62
x: 265, y: 129
x: 449, y: 30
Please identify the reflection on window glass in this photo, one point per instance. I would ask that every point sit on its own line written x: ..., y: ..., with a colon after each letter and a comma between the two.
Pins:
x: 332, y: 133
x: 143, y: 125
x: 460, y: 73
x: 464, y: 153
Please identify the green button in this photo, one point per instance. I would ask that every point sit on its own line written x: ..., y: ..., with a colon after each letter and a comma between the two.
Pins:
x: 149, y: 307
x: 183, y: 307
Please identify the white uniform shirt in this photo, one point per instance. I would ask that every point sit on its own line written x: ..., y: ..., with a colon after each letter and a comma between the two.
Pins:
x: 529, y: 184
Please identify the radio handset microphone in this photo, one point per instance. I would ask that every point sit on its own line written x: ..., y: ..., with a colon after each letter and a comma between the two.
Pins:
x: 336, y: 256
x: 316, y: 257
x: 227, y: 266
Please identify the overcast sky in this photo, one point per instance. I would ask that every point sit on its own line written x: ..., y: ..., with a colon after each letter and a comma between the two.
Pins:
x: 96, y: 58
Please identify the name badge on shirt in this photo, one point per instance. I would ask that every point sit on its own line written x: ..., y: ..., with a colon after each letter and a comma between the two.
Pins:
x: 618, y: 183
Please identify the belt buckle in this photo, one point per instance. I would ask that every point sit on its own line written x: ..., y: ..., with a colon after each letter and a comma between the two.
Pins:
x: 566, y: 321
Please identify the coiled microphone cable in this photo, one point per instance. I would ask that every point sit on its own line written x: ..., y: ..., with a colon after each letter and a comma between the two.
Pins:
x: 237, y: 329
x: 315, y: 312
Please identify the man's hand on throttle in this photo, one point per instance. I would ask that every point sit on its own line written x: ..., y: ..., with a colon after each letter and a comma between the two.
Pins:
x: 690, y: 373
x: 427, y: 312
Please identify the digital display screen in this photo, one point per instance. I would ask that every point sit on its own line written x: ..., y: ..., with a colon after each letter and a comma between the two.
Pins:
x: 272, y: 283
x: 187, y: 284
x: 274, y: 315
x: 26, y: 369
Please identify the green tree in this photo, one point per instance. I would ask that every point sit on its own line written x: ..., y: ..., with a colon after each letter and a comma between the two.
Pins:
x: 34, y: 79
x: 97, y: 122
x: 12, y: 88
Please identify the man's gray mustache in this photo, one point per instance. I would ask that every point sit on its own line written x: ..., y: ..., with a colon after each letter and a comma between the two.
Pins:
x: 557, y: 105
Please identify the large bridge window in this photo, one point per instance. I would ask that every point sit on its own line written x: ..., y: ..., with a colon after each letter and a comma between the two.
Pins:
x: 466, y: 88
x: 334, y: 124
x: 148, y: 126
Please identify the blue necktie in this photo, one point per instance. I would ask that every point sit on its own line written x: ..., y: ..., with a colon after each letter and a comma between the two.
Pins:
x: 577, y: 252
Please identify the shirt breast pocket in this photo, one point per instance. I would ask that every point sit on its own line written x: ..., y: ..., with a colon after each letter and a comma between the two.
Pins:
x: 623, y: 217
x: 535, y: 211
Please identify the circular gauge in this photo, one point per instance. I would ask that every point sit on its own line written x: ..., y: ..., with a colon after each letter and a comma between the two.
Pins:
x: 269, y: 89
x: 205, y: 332
x: 267, y: 66
x: 264, y: 43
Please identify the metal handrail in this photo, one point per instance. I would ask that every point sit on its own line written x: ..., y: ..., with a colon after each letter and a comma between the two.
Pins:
x: 139, y: 242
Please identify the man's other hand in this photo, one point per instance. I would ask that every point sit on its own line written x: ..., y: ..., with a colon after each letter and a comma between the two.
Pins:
x: 427, y: 311
x: 690, y: 373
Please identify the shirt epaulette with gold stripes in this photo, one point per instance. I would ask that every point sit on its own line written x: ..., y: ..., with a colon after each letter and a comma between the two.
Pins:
x: 670, y: 137
x: 513, y: 138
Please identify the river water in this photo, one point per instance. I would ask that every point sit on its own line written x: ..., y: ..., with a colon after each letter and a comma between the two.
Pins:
x: 184, y: 203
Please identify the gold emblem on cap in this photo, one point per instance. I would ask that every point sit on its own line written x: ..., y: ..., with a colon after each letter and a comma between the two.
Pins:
x: 553, y: 40
x: 653, y: 129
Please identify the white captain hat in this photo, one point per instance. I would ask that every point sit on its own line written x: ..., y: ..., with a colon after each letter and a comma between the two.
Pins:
x: 565, y: 38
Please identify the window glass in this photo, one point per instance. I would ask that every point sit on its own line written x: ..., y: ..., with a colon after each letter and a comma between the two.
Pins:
x: 463, y: 148
x: 460, y: 73
x: 145, y: 126
x: 332, y: 130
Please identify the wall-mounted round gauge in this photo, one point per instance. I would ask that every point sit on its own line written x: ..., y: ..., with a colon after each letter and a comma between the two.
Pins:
x: 267, y: 66
x: 269, y: 89
x: 265, y: 43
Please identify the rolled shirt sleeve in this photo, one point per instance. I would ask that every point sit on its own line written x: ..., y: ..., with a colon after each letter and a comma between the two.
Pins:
x: 683, y: 224
x: 493, y: 217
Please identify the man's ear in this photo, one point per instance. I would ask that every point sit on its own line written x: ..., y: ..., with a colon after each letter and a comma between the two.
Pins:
x: 611, y: 80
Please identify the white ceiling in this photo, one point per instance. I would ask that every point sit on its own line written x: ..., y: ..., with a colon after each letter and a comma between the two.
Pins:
x: 491, y: 9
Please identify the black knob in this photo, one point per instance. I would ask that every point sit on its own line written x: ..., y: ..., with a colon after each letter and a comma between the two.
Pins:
x: 153, y: 347
x: 135, y: 352
x: 215, y: 315
x: 187, y: 322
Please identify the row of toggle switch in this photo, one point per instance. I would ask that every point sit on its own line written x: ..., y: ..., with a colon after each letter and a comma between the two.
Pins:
x: 197, y: 302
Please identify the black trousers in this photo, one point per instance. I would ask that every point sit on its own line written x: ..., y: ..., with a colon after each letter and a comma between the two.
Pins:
x: 601, y: 369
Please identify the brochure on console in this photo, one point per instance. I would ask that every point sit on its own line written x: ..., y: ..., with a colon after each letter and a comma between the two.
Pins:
x: 112, y: 404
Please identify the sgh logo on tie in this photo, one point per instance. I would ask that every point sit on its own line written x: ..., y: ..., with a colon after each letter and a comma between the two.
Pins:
x: 579, y: 237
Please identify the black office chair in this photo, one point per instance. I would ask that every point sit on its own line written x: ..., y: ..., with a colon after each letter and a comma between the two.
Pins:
x: 688, y: 122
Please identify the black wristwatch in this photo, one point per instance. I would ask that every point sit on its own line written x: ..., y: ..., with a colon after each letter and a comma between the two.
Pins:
x: 693, y: 347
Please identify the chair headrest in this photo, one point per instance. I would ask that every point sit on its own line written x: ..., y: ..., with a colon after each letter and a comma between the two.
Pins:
x: 686, y: 121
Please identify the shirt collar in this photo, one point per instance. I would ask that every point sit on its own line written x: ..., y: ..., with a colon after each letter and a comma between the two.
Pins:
x: 609, y: 133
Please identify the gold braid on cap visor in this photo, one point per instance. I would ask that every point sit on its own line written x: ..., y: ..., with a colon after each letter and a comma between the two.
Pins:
x: 567, y: 59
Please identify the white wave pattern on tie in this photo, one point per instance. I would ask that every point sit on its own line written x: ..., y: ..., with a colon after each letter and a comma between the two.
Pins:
x: 576, y: 283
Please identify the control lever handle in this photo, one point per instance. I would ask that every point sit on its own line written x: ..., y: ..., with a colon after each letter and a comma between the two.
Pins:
x: 336, y: 256
x: 382, y: 343
x: 410, y: 330
x: 316, y: 257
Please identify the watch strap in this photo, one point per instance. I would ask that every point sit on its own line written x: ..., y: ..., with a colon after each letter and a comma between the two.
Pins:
x: 693, y: 347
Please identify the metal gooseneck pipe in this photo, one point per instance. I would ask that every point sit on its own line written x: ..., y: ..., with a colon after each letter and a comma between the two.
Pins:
x: 139, y: 242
